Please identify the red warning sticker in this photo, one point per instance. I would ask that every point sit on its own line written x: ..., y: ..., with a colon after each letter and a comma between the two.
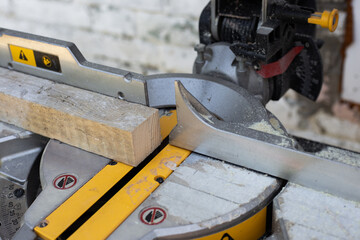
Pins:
x: 152, y: 215
x: 64, y: 181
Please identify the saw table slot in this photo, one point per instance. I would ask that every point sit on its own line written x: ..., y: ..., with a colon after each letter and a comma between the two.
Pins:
x: 78, y: 204
x: 119, y: 183
x: 129, y: 197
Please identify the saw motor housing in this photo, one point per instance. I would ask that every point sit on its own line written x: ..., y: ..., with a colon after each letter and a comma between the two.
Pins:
x: 265, y: 47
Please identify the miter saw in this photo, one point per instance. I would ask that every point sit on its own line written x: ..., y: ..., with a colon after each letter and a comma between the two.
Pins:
x: 228, y: 169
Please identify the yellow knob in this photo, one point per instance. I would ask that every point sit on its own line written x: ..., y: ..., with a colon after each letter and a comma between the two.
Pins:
x: 325, y: 19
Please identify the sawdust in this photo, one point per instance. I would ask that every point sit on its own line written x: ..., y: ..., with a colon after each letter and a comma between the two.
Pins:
x: 274, y: 128
x: 207, y: 118
x: 276, y: 124
x: 264, y: 126
x: 171, y: 165
x: 287, y: 142
x: 340, y: 155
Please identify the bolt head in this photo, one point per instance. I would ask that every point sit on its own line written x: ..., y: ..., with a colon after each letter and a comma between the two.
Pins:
x: 200, y: 47
x: 159, y: 180
x: 19, y: 192
x: 43, y: 224
x: 257, y: 67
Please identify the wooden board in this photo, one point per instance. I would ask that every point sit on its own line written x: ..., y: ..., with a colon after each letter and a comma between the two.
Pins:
x: 107, y: 126
x: 304, y: 213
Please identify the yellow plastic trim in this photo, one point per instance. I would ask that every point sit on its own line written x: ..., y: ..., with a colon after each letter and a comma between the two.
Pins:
x: 167, y: 123
x: 22, y: 55
x: 325, y: 19
x: 124, y: 202
x: 251, y: 229
x: 67, y: 213
x: 85, y: 197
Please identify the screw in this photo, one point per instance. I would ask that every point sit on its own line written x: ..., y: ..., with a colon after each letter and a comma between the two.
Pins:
x: 121, y: 95
x: 112, y: 163
x: 43, y: 224
x: 168, y: 113
x: 159, y: 179
x: 256, y: 66
x: 128, y: 77
x: 19, y: 192
x: 200, y: 49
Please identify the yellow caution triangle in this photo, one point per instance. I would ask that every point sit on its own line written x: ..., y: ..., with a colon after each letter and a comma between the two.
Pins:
x: 22, y: 56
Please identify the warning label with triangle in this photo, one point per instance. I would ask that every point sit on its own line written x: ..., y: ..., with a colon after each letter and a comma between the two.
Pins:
x: 35, y: 58
x: 22, y: 56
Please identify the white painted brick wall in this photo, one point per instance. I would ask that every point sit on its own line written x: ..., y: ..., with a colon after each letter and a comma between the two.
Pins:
x: 145, y: 36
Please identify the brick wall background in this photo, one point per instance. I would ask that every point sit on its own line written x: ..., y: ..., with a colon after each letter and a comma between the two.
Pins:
x: 152, y: 36
x: 145, y: 36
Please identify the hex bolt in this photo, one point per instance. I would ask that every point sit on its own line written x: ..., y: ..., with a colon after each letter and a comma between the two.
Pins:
x: 256, y: 66
x: 200, y: 49
x: 112, y: 163
x: 159, y: 179
x: 121, y: 95
x: 19, y: 192
x: 168, y: 113
x: 43, y: 224
x: 128, y: 77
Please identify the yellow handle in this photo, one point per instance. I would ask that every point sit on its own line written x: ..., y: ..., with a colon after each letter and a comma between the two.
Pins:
x: 325, y: 19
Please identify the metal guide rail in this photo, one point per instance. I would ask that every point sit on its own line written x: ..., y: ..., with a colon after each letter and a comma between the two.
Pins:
x: 62, y: 62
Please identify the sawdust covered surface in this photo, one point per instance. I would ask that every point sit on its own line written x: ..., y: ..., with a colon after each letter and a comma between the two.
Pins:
x: 340, y: 155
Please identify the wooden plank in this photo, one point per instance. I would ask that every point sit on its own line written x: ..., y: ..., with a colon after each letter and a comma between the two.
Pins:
x: 110, y: 127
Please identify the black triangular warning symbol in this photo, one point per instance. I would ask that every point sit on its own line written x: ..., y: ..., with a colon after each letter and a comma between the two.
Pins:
x: 226, y: 236
x: 22, y: 56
